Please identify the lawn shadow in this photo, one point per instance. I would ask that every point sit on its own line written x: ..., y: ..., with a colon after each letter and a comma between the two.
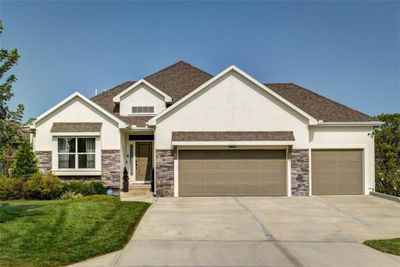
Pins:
x: 12, y: 212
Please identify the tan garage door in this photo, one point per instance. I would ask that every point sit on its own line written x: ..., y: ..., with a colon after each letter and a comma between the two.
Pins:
x: 336, y: 172
x: 232, y: 173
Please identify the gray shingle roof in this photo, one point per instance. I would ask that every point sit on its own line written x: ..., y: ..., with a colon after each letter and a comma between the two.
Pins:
x: 73, y: 127
x: 182, y: 78
x: 234, y: 136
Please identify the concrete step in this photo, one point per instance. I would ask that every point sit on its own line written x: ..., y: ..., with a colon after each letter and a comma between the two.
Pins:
x: 139, y: 190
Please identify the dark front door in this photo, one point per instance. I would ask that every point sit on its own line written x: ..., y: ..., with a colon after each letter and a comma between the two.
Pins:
x: 143, y: 161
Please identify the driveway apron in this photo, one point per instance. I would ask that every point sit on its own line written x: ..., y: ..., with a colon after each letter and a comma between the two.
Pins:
x: 262, y: 231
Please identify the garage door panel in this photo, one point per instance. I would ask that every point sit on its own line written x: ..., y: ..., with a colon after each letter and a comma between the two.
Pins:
x: 232, y: 173
x: 336, y: 172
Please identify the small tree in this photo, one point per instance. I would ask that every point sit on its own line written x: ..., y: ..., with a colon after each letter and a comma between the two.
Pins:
x: 10, y: 120
x: 387, y: 139
x: 387, y: 153
x: 25, y: 163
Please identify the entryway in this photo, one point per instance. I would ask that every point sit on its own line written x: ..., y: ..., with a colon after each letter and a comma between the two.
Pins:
x: 140, y: 161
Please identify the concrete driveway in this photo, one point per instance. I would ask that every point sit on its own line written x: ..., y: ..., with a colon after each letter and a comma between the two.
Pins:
x: 261, y: 231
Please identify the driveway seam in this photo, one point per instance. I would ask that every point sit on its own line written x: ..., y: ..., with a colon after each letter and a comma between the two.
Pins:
x: 360, y: 221
x: 285, y: 252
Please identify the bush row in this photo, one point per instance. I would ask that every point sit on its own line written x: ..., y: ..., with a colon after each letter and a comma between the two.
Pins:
x: 388, y: 182
x: 46, y: 186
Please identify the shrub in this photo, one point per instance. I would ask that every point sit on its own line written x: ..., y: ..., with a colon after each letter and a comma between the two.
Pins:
x: 98, y: 198
x: 85, y: 188
x: 43, y: 186
x: 388, y: 182
x: 10, y: 188
x: 69, y: 195
x: 25, y: 163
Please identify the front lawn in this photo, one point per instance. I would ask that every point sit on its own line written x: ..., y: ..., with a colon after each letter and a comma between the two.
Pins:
x: 57, y: 232
x: 391, y: 246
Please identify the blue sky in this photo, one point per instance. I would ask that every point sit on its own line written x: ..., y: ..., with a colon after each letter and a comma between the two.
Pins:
x: 348, y: 51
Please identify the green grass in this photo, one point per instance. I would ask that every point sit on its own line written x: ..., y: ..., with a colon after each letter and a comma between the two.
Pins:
x: 391, y: 246
x: 54, y: 233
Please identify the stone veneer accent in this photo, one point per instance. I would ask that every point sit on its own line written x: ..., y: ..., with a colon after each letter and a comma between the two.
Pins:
x: 44, y: 160
x: 300, y: 172
x: 165, y: 173
x: 111, y: 168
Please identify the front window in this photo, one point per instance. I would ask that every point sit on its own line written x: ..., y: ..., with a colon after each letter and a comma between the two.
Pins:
x: 76, y: 153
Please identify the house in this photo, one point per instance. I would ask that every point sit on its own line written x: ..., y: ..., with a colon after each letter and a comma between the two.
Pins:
x: 204, y: 135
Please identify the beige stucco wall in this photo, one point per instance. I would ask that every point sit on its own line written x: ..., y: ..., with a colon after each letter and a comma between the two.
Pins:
x: 232, y: 103
x: 77, y: 110
x: 142, y: 95
x: 355, y: 137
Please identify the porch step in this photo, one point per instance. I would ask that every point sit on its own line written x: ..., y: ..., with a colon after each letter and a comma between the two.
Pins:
x: 139, y: 190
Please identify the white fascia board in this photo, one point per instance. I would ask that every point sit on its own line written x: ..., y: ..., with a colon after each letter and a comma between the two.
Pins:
x: 312, y: 120
x: 121, y: 124
x: 232, y: 143
x: 117, y: 98
x: 350, y: 123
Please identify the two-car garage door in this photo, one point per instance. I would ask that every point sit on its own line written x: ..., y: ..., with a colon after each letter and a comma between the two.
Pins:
x: 232, y: 173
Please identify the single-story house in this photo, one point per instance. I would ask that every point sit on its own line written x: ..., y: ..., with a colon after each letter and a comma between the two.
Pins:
x: 205, y: 135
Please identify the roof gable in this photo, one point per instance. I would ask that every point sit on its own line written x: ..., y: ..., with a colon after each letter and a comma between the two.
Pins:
x: 77, y: 95
x: 118, y: 97
x: 193, y: 94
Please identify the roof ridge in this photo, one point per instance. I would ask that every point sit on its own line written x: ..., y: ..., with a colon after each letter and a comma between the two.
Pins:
x: 173, y: 65
x: 112, y: 88
x: 324, y: 97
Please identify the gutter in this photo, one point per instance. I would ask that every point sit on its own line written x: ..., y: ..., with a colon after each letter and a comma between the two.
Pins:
x: 350, y: 123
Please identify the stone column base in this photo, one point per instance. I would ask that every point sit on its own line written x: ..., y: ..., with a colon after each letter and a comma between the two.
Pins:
x: 111, y: 168
x: 300, y: 172
x: 165, y: 173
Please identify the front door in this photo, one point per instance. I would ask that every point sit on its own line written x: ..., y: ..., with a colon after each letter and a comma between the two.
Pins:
x: 143, y: 161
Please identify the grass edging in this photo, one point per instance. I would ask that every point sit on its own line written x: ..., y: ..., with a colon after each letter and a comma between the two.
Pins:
x: 391, y: 246
x: 385, y: 196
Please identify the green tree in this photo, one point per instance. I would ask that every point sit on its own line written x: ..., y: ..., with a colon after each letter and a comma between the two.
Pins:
x: 10, y: 121
x: 387, y: 153
x: 25, y: 163
x: 387, y: 139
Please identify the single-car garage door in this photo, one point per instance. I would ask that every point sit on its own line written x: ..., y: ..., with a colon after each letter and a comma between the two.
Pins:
x: 232, y: 173
x: 336, y: 172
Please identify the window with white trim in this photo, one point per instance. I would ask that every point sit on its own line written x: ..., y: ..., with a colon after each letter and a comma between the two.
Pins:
x: 143, y: 109
x: 76, y: 153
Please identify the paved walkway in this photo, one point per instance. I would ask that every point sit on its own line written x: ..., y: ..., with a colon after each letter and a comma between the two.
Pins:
x: 280, y: 231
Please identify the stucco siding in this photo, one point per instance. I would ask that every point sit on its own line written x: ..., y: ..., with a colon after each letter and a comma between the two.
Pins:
x: 348, y: 138
x: 142, y: 95
x: 232, y: 103
x: 77, y: 111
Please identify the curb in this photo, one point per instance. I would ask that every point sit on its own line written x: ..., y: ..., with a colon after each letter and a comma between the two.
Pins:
x: 385, y: 196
